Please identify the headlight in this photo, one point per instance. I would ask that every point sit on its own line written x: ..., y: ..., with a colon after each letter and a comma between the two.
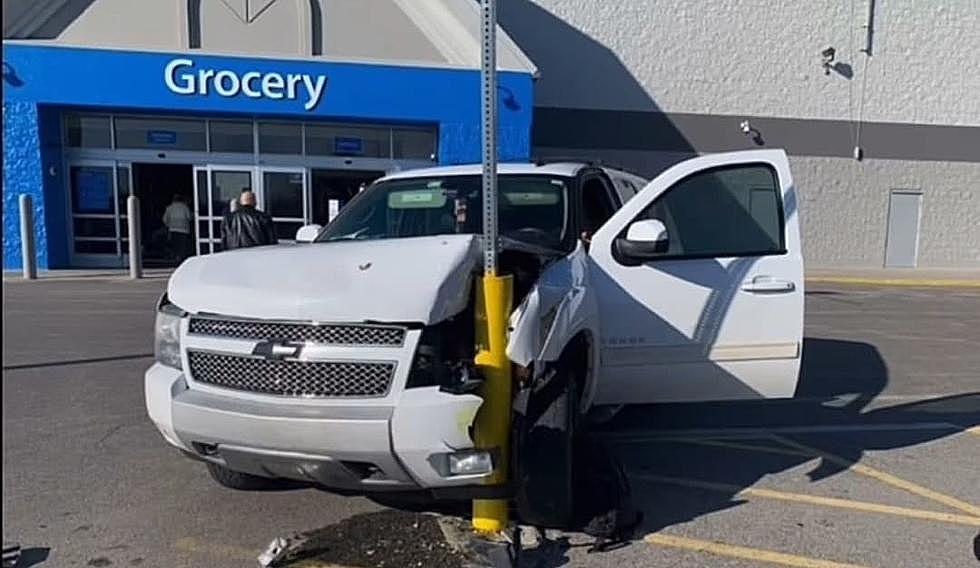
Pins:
x: 166, y: 340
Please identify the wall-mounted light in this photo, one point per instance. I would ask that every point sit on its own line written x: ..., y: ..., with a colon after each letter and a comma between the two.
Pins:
x: 827, y: 57
x: 750, y: 130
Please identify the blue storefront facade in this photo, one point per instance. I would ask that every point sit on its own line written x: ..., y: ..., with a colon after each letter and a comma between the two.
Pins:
x: 57, y: 98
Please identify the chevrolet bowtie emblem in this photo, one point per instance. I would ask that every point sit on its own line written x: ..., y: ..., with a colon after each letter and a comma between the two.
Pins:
x: 277, y: 350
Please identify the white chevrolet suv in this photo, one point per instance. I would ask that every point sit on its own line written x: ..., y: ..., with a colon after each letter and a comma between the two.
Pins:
x: 346, y: 359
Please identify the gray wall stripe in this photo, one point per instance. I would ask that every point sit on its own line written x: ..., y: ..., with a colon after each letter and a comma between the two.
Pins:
x: 691, y: 133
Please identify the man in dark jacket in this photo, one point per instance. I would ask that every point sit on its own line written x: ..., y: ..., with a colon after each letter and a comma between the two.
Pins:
x: 247, y: 226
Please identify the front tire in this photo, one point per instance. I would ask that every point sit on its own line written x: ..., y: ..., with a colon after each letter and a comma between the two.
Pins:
x: 237, y: 480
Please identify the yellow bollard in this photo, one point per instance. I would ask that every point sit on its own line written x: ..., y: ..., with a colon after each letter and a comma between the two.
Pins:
x: 492, y: 427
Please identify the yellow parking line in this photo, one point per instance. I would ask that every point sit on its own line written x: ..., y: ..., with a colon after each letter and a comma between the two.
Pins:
x: 191, y: 544
x: 745, y: 553
x: 832, y: 502
x: 906, y: 282
x: 886, y: 478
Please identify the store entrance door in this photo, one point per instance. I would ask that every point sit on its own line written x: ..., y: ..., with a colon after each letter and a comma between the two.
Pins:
x: 157, y: 185
x: 338, y: 186
x: 284, y: 197
x: 215, y: 188
x: 97, y: 200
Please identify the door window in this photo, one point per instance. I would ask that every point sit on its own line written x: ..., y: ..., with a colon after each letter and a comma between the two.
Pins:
x: 724, y: 212
x: 285, y: 200
x: 597, y: 205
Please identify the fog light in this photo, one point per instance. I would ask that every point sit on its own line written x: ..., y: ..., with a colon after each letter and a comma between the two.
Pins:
x: 470, y: 463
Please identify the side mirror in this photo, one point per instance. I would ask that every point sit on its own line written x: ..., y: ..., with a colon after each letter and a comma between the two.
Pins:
x: 645, y: 240
x: 308, y: 233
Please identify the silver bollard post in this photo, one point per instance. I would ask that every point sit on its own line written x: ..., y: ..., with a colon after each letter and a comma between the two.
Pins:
x: 135, y: 250
x: 27, y: 249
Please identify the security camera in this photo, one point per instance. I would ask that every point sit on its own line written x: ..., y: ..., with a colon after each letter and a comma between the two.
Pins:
x: 828, y: 54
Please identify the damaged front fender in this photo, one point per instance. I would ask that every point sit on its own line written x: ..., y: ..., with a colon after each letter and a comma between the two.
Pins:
x: 559, y: 306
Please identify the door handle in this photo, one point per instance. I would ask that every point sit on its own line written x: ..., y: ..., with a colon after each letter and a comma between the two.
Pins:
x: 768, y: 284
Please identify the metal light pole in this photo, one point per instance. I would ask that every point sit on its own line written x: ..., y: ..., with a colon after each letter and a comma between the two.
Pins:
x: 492, y: 426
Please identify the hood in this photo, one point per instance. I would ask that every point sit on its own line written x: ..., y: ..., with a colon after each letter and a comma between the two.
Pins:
x: 423, y: 280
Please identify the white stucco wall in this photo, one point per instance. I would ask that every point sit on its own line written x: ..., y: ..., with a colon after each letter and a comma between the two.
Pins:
x: 762, y: 58
x: 758, y: 57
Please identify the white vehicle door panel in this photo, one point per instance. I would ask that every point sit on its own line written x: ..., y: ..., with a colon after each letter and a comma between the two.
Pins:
x: 696, y: 327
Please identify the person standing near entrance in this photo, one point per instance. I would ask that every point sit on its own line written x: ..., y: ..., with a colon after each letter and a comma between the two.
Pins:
x: 178, y: 218
x: 247, y: 226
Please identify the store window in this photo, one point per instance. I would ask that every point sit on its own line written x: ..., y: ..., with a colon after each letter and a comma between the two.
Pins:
x: 88, y: 131
x: 161, y: 133
x: 353, y: 141
x: 232, y: 136
x: 414, y: 144
x: 280, y: 138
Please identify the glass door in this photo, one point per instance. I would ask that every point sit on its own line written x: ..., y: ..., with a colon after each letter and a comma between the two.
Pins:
x: 216, y: 188
x: 285, y: 196
x: 97, y: 193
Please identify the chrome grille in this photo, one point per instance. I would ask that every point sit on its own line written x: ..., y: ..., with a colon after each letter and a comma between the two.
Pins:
x: 292, y: 378
x: 329, y: 334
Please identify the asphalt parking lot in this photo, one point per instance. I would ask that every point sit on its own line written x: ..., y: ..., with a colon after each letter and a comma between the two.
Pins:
x: 874, y: 464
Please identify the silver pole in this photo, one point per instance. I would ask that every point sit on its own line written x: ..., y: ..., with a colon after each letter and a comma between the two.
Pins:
x: 135, y: 250
x: 27, y: 249
x: 488, y: 87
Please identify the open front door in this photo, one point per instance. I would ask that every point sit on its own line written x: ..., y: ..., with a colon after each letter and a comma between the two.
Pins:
x: 699, y: 280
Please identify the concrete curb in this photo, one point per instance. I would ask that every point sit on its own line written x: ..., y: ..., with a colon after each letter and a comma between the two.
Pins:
x: 896, y: 282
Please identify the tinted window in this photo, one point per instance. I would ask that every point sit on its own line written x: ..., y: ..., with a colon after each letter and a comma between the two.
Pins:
x: 732, y: 211
x: 228, y: 136
x: 333, y: 140
x: 280, y: 138
x: 597, y: 205
x: 160, y: 133
x: 88, y: 131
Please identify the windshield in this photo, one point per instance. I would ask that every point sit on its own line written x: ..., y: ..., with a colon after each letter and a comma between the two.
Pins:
x: 533, y: 209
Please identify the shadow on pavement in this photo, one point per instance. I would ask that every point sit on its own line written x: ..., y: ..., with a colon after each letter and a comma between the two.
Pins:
x: 839, y: 380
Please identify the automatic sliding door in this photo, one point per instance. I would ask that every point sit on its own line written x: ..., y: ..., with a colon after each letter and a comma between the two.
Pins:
x: 215, y: 188
x: 285, y: 198
x: 95, y: 222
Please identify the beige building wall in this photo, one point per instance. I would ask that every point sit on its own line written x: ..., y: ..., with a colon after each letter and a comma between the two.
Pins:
x: 650, y: 82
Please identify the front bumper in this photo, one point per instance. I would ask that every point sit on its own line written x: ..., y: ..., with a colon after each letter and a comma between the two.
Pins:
x: 341, y: 444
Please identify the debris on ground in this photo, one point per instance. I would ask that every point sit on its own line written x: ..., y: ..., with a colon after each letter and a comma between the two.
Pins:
x: 273, y: 553
x: 385, y: 539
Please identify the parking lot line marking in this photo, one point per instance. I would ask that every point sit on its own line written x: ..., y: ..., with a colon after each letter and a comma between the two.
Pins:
x: 193, y: 545
x: 745, y: 553
x: 736, y: 433
x: 832, y: 502
x: 899, y: 282
x: 886, y: 478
